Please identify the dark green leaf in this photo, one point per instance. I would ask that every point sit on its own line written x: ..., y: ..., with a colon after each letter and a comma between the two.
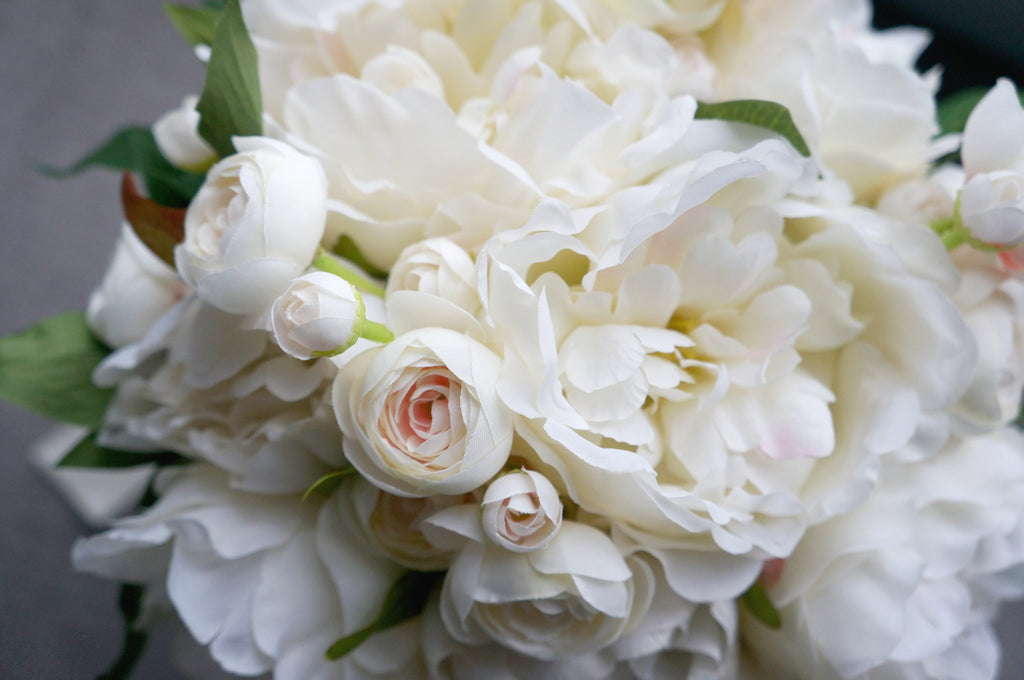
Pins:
x: 347, y: 248
x: 130, y: 601
x: 326, y: 485
x: 231, y: 103
x: 763, y: 114
x: 406, y: 599
x: 48, y: 369
x: 196, y: 24
x: 757, y: 602
x: 159, y: 227
x: 134, y: 149
x: 89, y: 454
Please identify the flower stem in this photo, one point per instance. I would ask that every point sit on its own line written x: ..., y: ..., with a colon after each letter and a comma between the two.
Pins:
x: 377, y: 332
x: 324, y: 261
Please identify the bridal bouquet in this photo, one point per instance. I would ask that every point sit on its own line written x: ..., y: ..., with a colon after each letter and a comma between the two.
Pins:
x: 558, y: 339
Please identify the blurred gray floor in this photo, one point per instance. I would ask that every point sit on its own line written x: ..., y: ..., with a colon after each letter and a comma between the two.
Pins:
x: 70, y: 73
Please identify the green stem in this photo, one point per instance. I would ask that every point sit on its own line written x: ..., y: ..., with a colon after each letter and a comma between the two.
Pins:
x: 377, y: 332
x: 324, y: 261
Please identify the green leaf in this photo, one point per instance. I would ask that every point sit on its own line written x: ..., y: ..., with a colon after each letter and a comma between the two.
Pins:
x: 406, y: 599
x: 48, y: 369
x: 231, y: 103
x: 326, y: 485
x: 130, y: 603
x: 347, y: 248
x: 89, y: 454
x: 757, y: 602
x: 134, y: 149
x: 764, y: 114
x: 196, y: 24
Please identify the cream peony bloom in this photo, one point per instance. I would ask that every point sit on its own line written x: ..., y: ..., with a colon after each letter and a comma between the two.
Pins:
x: 421, y: 415
x: 206, y: 385
x: 266, y: 581
x: 886, y: 590
x: 254, y: 225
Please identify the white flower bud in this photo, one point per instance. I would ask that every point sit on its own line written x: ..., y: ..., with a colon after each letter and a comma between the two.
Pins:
x: 177, y: 136
x: 521, y: 511
x: 320, y: 314
x: 254, y: 225
x: 992, y: 208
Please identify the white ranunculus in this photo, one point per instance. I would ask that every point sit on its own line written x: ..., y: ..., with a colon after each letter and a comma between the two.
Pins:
x: 521, y: 511
x: 392, y: 525
x: 137, y: 289
x: 437, y: 266
x: 319, y: 314
x: 177, y: 136
x: 254, y: 225
x: 576, y: 596
x: 421, y: 414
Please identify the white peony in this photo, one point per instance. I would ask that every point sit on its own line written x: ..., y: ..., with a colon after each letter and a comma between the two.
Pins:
x: 267, y: 581
x: 421, y: 415
x: 254, y: 225
x: 205, y: 385
x: 885, y: 591
x: 137, y: 289
x: 735, y: 378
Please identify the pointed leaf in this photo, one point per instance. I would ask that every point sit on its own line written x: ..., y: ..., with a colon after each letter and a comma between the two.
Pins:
x: 159, y: 227
x: 763, y: 114
x: 231, y: 103
x: 196, y: 24
x: 757, y: 602
x: 89, y: 454
x: 404, y: 600
x: 134, y: 149
x: 48, y: 369
x: 326, y: 485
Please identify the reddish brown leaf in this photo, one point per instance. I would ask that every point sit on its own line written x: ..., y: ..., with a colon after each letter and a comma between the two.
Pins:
x: 159, y: 227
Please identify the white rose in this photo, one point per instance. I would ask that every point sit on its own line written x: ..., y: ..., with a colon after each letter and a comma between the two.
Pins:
x: 136, y: 290
x: 521, y: 511
x: 177, y: 136
x: 994, y: 135
x: 320, y: 314
x: 254, y: 225
x: 422, y: 415
x: 576, y: 596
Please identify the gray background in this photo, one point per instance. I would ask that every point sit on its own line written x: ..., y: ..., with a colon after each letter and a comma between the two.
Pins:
x: 70, y: 73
